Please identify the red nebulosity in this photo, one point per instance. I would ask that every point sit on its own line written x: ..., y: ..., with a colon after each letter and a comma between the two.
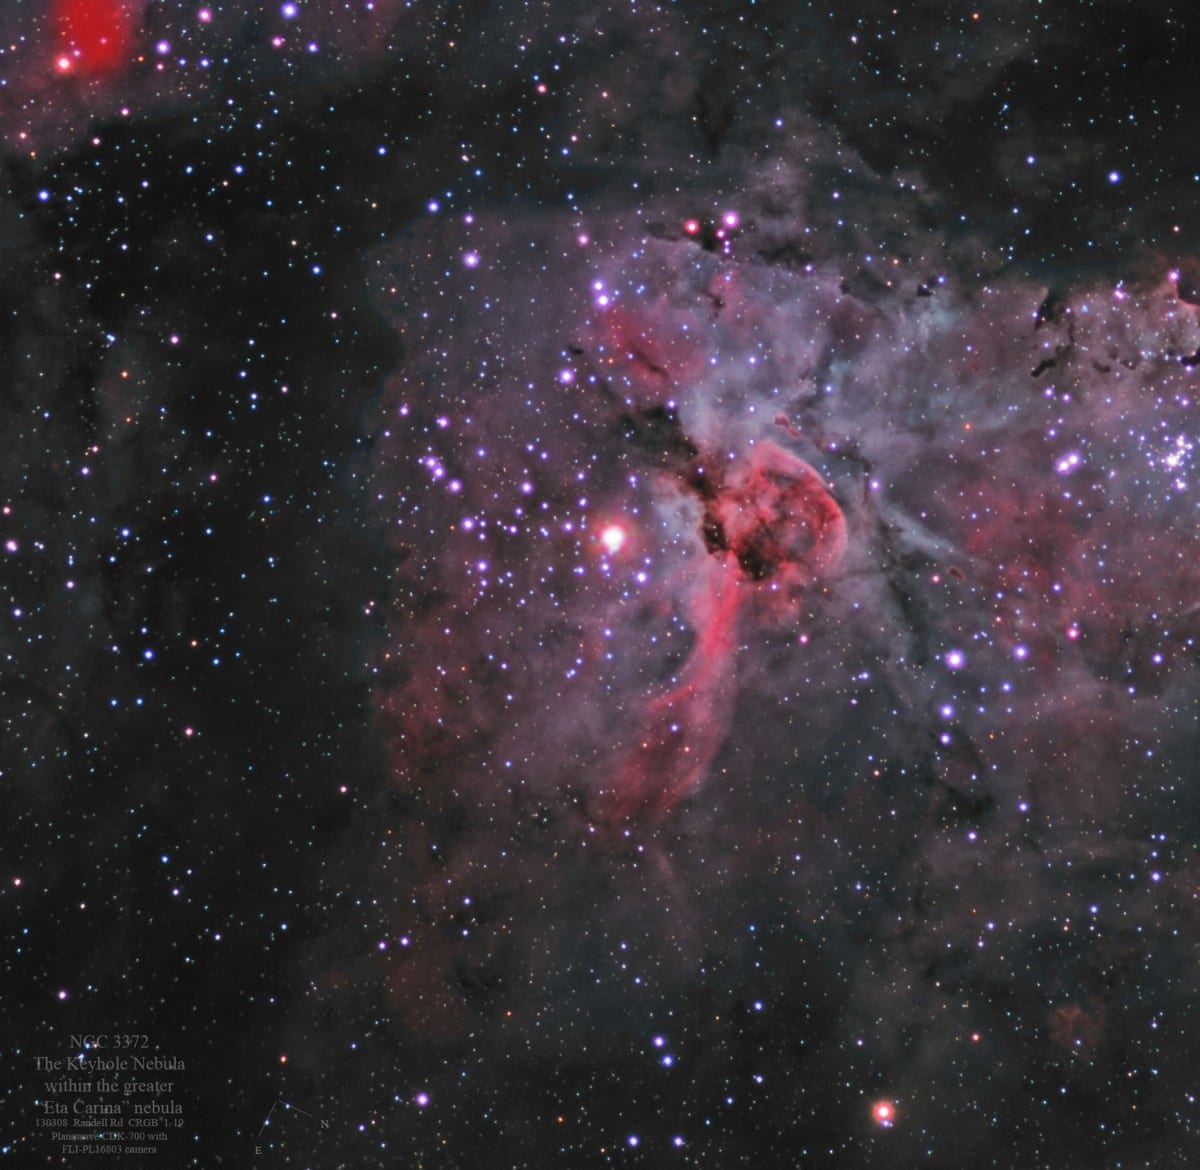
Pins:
x: 681, y: 730
x: 94, y: 35
x: 774, y: 515
x: 1042, y: 551
x: 1060, y: 589
x: 1077, y: 1028
x: 775, y: 528
x: 645, y: 352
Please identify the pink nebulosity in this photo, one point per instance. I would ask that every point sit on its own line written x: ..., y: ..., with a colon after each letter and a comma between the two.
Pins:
x: 773, y: 514
x: 681, y: 730
x: 773, y: 528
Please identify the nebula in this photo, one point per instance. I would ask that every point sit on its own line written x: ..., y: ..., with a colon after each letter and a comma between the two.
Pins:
x: 773, y: 529
x: 95, y: 36
x: 717, y: 562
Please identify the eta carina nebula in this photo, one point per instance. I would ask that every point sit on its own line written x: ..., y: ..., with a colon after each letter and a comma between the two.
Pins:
x: 621, y: 551
x: 684, y: 481
x: 835, y: 586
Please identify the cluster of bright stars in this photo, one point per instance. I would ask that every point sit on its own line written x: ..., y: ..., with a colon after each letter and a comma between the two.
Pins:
x: 1175, y: 458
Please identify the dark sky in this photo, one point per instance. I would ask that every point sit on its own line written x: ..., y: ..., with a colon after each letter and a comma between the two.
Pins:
x: 601, y: 586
